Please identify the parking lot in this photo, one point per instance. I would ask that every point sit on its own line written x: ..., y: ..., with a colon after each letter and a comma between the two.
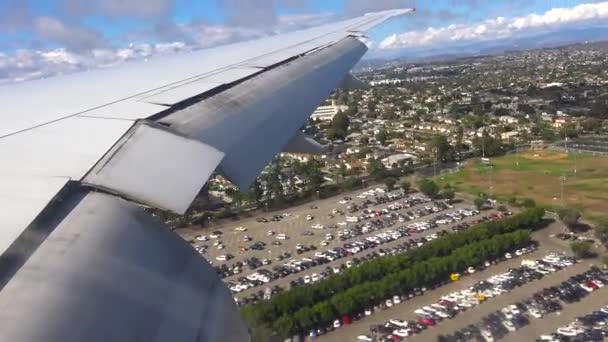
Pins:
x: 406, y: 309
x: 388, y: 231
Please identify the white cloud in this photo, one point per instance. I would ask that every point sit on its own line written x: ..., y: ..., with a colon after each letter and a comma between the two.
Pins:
x: 26, y: 65
x: 499, y: 27
x: 84, y: 49
x: 73, y: 37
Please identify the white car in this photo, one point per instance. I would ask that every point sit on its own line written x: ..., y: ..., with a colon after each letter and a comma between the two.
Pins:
x: 281, y: 237
x: 487, y: 335
x: 586, y: 288
x: 421, y: 312
x: 240, y: 229
x: 398, y: 322
x: 507, y: 313
x: 337, y: 324
x: 508, y: 256
x: 270, y: 233
x: 535, y: 313
x: 396, y: 299
x: 309, y: 217
x: 221, y: 258
x: 442, y: 314
x: 509, y: 325
x: 364, y: 338
x: 306, y: 279
x: 389, y: 303
x: 569, y: 331
x: 401, y: 332
x: 315, y: 277
x: 514, y: 309
x: 471, y: 270
x: 324, y: 243
x: 202, y: 238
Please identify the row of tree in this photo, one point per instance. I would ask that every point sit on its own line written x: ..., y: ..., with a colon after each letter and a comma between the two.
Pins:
x: 284, y: 305
x: 421, y: 274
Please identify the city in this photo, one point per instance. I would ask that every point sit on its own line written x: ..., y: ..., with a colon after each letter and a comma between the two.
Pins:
x: 428, y: 150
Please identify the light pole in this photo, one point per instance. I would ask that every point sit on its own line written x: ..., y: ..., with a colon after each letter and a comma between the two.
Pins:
x: 562, y: 180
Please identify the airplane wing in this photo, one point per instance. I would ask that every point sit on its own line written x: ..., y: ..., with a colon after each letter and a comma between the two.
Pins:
x: 81, y: 260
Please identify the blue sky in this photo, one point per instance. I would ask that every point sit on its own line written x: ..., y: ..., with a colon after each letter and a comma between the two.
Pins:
x: 45, y: 37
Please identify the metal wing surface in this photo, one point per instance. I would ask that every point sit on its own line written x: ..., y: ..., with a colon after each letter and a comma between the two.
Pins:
x: 80, y: 259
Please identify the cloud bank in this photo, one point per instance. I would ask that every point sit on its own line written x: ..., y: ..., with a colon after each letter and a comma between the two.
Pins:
x: 499, y: 27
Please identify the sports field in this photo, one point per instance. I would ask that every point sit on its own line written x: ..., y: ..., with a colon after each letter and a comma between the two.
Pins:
x: 538, y: 175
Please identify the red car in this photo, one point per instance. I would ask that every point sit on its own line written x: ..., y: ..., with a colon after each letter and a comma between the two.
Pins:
x: 426, y: 321
x: 592, y: 285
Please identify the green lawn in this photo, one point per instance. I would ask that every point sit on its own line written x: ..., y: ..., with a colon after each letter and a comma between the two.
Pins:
x: 537, y: 175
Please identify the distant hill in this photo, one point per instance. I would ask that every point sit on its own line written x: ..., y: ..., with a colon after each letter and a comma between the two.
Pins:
x: 542, y: 40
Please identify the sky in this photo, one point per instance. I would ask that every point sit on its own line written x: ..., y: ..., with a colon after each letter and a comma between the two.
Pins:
x: 42, y: 38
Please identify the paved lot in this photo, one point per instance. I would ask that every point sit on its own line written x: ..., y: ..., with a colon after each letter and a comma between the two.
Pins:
x: 293, y: 225
x: 550, y: 323
x: 476, y: 314
x: 406, y: 310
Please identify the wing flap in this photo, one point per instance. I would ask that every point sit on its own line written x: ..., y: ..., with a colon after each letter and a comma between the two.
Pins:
x: 154, y: 166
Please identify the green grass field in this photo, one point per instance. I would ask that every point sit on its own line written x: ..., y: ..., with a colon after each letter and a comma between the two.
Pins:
x: 537, y: 175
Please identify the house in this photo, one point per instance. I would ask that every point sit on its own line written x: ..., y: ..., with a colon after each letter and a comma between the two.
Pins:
x: 396, y: 158
x: 509, y: 135
x: 507, y: 119
x: 561, y: 120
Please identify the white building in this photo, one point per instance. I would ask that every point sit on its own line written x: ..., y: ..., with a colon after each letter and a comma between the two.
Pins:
x: 507, y: 119
x: 396, y: 158
x: 327, y: 113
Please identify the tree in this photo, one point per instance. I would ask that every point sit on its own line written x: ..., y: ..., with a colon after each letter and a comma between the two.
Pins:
x: 383, y: 137
x: 390, y: 183
x: 311, y: 172
x: 364, y: 140
x: 257, y: 191
x: 448, y: 193
x: 490, y: 146
x: 605, y: 260
x: 371, y: 105
x: 339, y: 126
x: 581, y: 249
x: 592, y: 125
x: 528, y: 203
x: 459, y: 137
x: 569, y: 216
x: 406, y: 186
x: 376, y: 169
x: 601, y: 231
x: 442, y: 148
x: 428, y: 187
x: 480, y: 201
